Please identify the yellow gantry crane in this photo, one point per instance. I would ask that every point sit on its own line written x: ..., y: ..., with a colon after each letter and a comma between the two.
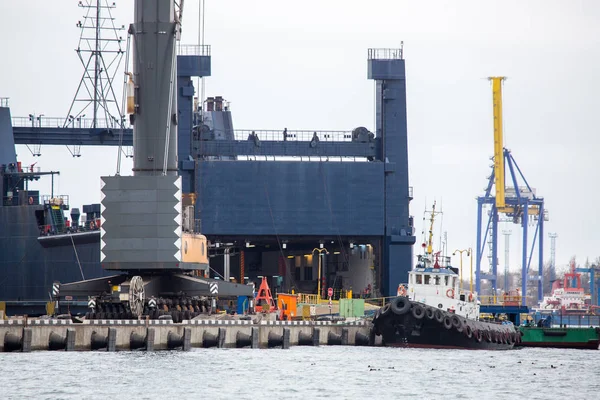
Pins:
x: 498, y: 142
x: 519, y: 203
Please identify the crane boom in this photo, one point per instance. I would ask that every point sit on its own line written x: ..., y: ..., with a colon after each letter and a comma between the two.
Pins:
x: 498, y: 141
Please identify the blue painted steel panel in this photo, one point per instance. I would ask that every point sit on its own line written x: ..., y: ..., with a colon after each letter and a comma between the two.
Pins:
x: 193, y: 66
x: 290, y: 198
x: 7, y: 143
x: 27, y: 270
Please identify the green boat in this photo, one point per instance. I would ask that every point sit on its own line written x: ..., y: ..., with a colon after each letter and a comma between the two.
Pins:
x: 565, y: 338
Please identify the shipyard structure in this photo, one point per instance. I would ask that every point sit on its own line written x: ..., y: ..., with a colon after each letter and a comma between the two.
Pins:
x: 309, y: 210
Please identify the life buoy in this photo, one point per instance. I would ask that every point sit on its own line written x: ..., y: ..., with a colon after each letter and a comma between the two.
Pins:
x: 30, y: 200
x: 450, y: 293
x: 470, y: 297
x: 92, y: 224
x: 401, y: 290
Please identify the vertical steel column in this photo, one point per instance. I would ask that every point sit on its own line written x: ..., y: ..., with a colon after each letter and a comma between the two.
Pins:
x: 494, y: 215
x: 226, y: 264
x: 242, y: 266
x: 478, y: 263
x: 524, y: 223
x: 541, y: 254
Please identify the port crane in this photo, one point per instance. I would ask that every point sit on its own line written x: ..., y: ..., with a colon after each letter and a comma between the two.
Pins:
x: 146, y: 227
x: 517, y: 202
x: 592, y: 270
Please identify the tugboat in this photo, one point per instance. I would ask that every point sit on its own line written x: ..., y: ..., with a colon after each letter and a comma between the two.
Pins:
x: 434, y: 313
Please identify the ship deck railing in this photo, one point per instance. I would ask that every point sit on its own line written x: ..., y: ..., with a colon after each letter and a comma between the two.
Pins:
x: 292, y: 135
x: 506, y: 301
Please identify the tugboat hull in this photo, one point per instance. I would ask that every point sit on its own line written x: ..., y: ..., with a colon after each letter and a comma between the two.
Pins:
x: 405, y: 323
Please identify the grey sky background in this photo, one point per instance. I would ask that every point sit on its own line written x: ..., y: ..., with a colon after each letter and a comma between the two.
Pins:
x: 302, y: 65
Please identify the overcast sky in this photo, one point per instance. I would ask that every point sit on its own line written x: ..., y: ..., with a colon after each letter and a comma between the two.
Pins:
x: 302, y: 65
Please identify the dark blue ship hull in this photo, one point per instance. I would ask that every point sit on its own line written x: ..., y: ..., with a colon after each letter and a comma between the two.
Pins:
x: 29, y: 266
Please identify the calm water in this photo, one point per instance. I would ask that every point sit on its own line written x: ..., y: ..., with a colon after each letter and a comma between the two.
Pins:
x: 302, y: 373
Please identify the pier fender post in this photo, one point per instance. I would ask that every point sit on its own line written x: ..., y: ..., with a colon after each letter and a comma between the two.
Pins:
x: 222, y: 333
x: 150, y: 335
x: 187, y: 339
x: 112, y: 339
x: 71, y: 336
x: 174, y: 340
x: 136, y: 341
x: 209, y: 340
x: 316, y: 336
x: 371, y: 337
x: 255, y: 342
x: 345, y: 333
x: 360, y: 339
x: 12, y: 342
x: 286, y: 338
x: 26, y: 342
x: 304, y: 339
x: 56, y: 342
x: 98, y: 341
x: 334, y: 339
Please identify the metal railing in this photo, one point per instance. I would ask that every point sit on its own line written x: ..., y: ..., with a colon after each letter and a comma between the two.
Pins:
x: 385, y: 54
x: 308, y: 298
x: 500, y: 300
x: 293, y: 136
x: 193, y: 50
x: 4, y: 101
x: 41, y: 121
x: 58, y: 200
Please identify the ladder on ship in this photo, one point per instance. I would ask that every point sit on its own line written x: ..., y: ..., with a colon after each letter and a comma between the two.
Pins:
x: 57, y: 219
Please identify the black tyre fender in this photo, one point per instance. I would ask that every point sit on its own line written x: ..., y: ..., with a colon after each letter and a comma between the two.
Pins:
x: 439, y: 316
x: 400, y: 305
x: 385, y: 310
x: 478, y: 335
x: 468, y: 331
x: 418, y: 311
x: 457, y: 323
x: 447, y: 322
x: 430, y: 313
x: 488, y: 336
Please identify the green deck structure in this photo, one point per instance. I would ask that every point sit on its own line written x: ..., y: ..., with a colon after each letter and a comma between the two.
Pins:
x: 572, y: 337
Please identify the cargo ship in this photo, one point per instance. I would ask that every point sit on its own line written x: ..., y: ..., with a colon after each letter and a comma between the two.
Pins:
x: 432, y: 311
